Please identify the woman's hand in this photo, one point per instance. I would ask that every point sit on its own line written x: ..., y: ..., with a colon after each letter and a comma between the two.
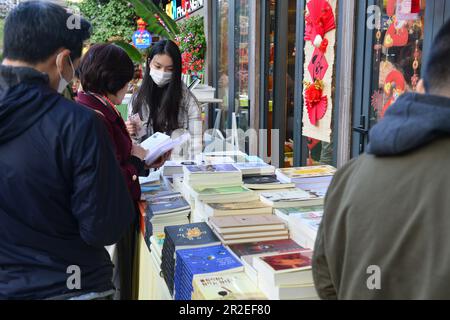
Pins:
x: 138, y: 151
x: 160, y: 161
x: 131, y: 127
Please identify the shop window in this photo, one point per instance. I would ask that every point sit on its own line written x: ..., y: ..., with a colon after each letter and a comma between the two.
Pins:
x: 397, y: 53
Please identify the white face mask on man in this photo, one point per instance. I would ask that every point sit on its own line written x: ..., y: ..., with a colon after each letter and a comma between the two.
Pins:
x: 63, y: 82
x: 160, y: 78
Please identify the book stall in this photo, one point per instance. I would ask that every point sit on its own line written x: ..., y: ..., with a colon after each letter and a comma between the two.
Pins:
x: 230, y: 228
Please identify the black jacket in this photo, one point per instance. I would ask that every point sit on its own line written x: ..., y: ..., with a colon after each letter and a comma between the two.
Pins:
x: 62, y: 194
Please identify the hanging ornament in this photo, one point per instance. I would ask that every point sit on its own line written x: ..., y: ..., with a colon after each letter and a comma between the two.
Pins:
x: 396, y: 36
x: 394, y: 87
x: 318, y: 65
x: 316, y: 103
x: 415, y: 78
x: 378, y: 46
x: 311, y: 143
x: 319, y: 21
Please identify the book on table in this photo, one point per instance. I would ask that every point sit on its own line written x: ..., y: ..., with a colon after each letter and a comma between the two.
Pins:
x: 211, y: 260
x: 255, y: 168
x: 246, y: 223
x: 285, y: 213
x: 234, y: 286
x: 220, y: 175
x: 285, y: 269
x: 237, y: 208
x: 221, y: 194
x: 306, y: 174
x: 268, y: 182
x: 295, y: 198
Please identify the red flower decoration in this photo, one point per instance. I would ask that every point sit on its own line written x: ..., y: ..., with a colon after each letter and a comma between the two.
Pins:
x: 316, y: 103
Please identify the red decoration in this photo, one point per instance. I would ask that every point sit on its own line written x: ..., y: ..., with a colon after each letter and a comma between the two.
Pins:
x: 318, y: 65
x: 141, y: 24
x: 415, y: 6
x: 323, y: 46
x: 391, y: 7
x: 319, y: 21
x: 316, y: 103
x: 394, y: 86
x: 396, y: 37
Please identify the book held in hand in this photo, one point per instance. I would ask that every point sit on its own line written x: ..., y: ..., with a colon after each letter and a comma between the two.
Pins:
x: 159, y: 144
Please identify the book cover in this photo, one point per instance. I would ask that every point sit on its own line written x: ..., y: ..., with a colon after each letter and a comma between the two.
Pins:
x: 236, y: 286
x: 296, y: 195
x: 168, y: 204
x: 190, y: 234
x: 272, y: 179
x: 207, y: 260
x: 221, y: 190
x: 314, y: 210
x: 302, y: 172
x: 210, y: 169
x: 288, y: 261
x: 238, y: 206
x: 245, y: 221
x: 252, y: 165
x: 254, y: 248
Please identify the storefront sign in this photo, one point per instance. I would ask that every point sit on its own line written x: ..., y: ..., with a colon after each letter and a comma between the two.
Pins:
x: 177, y: 9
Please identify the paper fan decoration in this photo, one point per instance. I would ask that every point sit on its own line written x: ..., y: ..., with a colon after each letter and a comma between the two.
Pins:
x: 319, y: 21
x: 316, y: 103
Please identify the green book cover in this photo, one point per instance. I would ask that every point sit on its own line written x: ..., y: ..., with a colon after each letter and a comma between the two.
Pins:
x: 221, y: 190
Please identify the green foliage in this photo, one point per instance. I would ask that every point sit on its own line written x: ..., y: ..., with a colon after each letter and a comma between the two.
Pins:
x: 112, y: 20
x: 132, y: 52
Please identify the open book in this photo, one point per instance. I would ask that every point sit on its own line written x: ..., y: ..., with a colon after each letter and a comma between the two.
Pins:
x: 159, y: 144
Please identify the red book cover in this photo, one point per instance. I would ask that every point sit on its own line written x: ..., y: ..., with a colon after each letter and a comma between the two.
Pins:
x: 246, y: 249
x: 287, y: 261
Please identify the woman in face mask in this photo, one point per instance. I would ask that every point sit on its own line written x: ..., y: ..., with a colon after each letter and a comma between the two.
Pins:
x: 164, y: 103
x: 105, y: 72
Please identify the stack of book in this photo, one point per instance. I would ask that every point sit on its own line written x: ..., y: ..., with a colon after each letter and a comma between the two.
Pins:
x: 288, y: 199
x: 249, y: 228
x: 220, y: 175
x: 211, y: 260
x: 304, y: 224
x: 236, y: 208
x: 234, y: 286
x: 166, y: 208
x: 247, y: 251
x: 183, y: 237
x: 313, y: 179
x: 286, y: 276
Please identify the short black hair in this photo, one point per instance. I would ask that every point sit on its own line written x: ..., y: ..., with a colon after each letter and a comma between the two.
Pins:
x: 105, y: 68
x: 437, y: 71
x: 34, y: 30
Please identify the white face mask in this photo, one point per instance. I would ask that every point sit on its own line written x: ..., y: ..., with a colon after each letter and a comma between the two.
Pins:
x: 160, y: 78
x: 63, y: 82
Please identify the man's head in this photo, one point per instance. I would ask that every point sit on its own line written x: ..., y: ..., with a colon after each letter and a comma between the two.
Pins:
x: 40, y: 34
x: 437, y: 72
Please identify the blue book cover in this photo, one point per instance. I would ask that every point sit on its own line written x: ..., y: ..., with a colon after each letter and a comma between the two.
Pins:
x: 167, y: 205
x: 190, y: 262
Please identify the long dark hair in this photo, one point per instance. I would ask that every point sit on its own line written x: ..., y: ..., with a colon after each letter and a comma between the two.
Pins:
x: 164, y: 103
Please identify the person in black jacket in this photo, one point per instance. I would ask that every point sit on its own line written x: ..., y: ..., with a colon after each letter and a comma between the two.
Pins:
x: 62, y: 193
